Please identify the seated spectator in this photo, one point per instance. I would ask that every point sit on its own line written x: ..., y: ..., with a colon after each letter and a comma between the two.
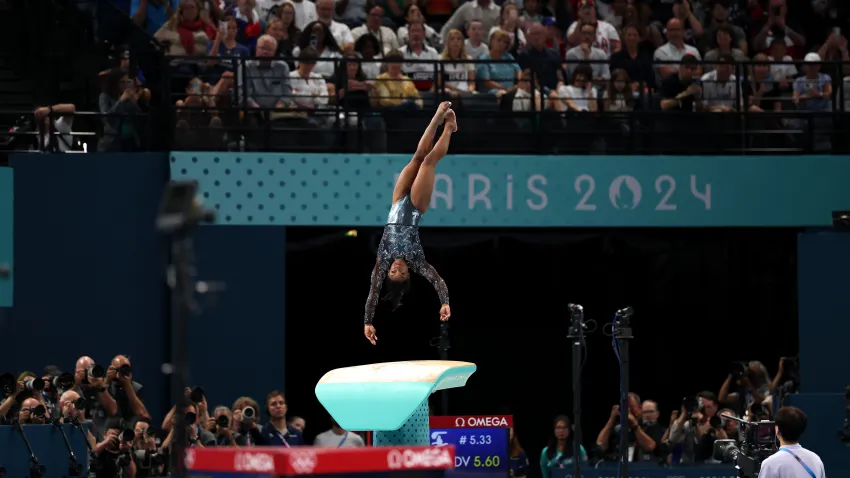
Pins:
x: 554, y: 37
x: 188, y: 32
x: 393, y: 90
x: 669, y: 54
x: 249, y: 24
x: 649, y: 32
x: 680, y: 92
x: 151, y: 15
x: 373, y: 26
x: 369, y: 51
x: 721, y: 91
x: 487, y: 12
x: 337, y: 437
x: 351, y: 12
x: 518, y: 461
x: 276, y: 432
x: 579, y: 95
x: 353, y: 88
x: 616, y: 14
x: 586, y: 52
x: 619, y: 96
x: 607, y: 39
x: 285, y: 32
x: 813, y: 90
x: 635, y: 61
x: 533, y: 12
x: 475, y: 44
x: 118, y: 100
x: 56, y: 119
x: 198, y: 121
x: 524, y: 93
x: 720, y: 20
x: 510, y: 24
x: 497, y: 78
x: 422, y: 74
x: 785, y: 72
x: 724, y: 47
x: 318, y: 36
x: 309, y: 90
x: 413, y: 14
x: 305, y: 12
x: 457, y: 77
x: 267, y: 79
x: 543, y: 61
x: 558, y: 452
x: 760, y: 89
x: 340, y: 31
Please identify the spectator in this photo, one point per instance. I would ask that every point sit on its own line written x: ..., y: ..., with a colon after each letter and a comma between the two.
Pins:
x: 721, y: 91
x: 298, y: 423
x: 724, y: 46
x: 634, y: 60
x: 673, y: 51
x: 412, y: 14
x: 225, y: 44
x: 267, y: 79
x: 118, y: 99
x: 151, y: 15
x: 198, y: 122
x: 835, y: 49
x: 679, y: 91
x: 497, y: 78
x: 276, y: 432
x: 309, y: 90
x: 373, y: 26
x: 267, y: 9
x: 524, y: 93
x: 458, y: 78
x: 692, y: 27
x: 586, y: 52
x: 56, y: 119
x: 305, y: 13
x: 532, y: 12
x: 351, y: 12
x: 649, y: 33
x: 617, y: 14
x: 475, y: 45
x: 813, y: 92
x: 340, y: 31
x: 336, y: 437
x: 318, y: 36
x: 249, y: 24
x: 276, y: 30
x: 353, y: 87
x: 720, y: 20
x: 369, y: 50
x: 760, y: 89
x: 289, y: 34
x: 607, y: 39
x: 558, y: 452
x: 484, y: 11
x: 518, y: 460
x: 393, y: 90
x: 579, y: 95
x: 422, y: 74
x: 509, y: 23
x: 188, y: 32
x: 776, y: 29
x: 619, y: 97
x: 554, y: 37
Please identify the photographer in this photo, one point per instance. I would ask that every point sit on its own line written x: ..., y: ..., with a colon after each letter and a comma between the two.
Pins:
x: 243, y: 421
x: 792, y: 460
x: 221, y: 425
x: 90, y: 381
x: 747, y: 383
x: 645, y: 433
x: 195, y: 435
x: 111, y: 457
x: 27, y: 385
x: 68, y: 405
x: 150, y: 460
x: 731, y: 427
x: 697, y: 427
x: 32, y: 412
x: 195, y: 396
x: 126, y: 392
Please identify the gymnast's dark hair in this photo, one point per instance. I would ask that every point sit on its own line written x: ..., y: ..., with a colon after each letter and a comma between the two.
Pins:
x: 395, y: 291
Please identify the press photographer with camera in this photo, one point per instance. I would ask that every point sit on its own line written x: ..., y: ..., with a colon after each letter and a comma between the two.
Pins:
x: 731, y: 427
x: 277, y: 431
x: 72, y: 408
x: 244, y: 417
x: 697, y: 427
x: 90, y: 380
x: 193, y: 395
x: 32, y: 412
x: 111, y: 457
x: 126, y: 392
x: 748, y: 383
x: 149, y: 459
x: 221, y: 425
x: 16, y: 391
x: 196, y: 435
x: 792, y: 460
x: 645, y: 433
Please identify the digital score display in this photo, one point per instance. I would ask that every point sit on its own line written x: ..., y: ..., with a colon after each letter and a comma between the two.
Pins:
x: 483, y: 449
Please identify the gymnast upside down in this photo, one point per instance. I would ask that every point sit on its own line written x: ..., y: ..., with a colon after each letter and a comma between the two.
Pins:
x: 400, y: 251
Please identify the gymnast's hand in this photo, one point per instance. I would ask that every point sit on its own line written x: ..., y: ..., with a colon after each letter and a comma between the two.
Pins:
x: 445, y: 312
x: 369, y: 332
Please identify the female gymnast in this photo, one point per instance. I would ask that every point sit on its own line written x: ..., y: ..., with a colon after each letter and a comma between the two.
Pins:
x: 400, y: 250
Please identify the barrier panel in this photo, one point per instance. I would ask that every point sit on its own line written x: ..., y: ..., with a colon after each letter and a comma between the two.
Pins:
x: 516, y: 191
x: 640, y: 470
x: 47, y: 445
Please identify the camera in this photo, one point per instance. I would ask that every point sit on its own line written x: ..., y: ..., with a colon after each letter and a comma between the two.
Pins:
x: 125, y: 370
x: 146, y: 459
x: 191, y: 418
x: 691, y: 406
x: 63, y: 382
x: 248, y: 414
x: 758, y: 444
x: 38, y: 412
x: 128, y: 435
x: 197, y: 395
x: 222, y: 421
x: 80, y: 403
x: 34, y: 384
x: 96, y: 371
x: 122, y: 460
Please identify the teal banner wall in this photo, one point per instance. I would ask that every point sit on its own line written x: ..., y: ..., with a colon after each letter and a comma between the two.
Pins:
x: 514, y: 191
x: 6, y: 236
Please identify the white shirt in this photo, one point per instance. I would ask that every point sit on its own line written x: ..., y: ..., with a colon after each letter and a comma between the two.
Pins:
x: 669, y: 52
x: 783, y: 464
x: 420, y: 71
x: 458, y: 74
x: 522, y: 100
x: 341, y: 33
x: 476, y: 51
x: 264, y: 6
x: 783, y: 71
x: 324, y: 68
x: 431, y: 35
x: 716, y: 93
x: 579, y: 96
x: 305, y: 13
x: 386, y: 37
x: 330, y: 439
x: 64, y: 141
x: 308, y: 92
x: 605, y: 34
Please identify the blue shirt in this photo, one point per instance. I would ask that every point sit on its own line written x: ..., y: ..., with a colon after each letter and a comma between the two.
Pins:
x: 518, y: 465
x: 803, y: 86
x: 502, y: 73
x: 270, y: 436
x: 155, y: 14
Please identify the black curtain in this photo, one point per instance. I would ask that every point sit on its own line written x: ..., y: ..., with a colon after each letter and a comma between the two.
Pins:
x: 702, y: 298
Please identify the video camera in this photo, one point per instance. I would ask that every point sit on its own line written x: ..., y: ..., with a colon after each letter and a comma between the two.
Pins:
x: 758, y: 444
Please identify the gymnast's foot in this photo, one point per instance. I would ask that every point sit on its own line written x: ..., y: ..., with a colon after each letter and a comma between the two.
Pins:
x: 451, y: 120
x: 442, y: 110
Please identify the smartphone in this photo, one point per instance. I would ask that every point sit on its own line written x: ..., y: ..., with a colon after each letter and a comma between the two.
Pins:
x: 314, y: 42
x: 223, y: 26
x: 836, y: 31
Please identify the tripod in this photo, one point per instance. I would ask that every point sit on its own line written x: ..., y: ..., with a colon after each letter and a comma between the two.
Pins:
x: 37, y: 470
x: 621, y: 332
x: 74, y: 467
x: 576, y: 335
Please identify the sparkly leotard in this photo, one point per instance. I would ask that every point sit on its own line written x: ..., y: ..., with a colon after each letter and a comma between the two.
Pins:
x: 401, y: 241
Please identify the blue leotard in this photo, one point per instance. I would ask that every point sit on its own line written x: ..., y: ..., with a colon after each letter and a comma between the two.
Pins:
x: 401, y: 241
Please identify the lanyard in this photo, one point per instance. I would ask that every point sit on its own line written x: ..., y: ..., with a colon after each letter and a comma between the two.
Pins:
x: 343, y: 440
x: 279, y: 435
x: 805, y: 467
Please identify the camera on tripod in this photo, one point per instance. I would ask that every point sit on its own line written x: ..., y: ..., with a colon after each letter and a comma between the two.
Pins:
x: 758, y: 444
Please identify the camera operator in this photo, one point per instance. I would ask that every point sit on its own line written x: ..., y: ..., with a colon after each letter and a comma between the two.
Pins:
x: 32, y: 412
x: 645, y: 433
x: 196, y: 435
x: 697, y: 427
x: 746, y: 383
x: 221, y: 424
x: 277, y: 431
x: 27, y: 385
x: 792, y: 460
x: 731, y: 427
x: 243, y: 421
x: 111, y: 457
x: 68, y: 406
x: 126, y: 392
x: 149, y: 459
x: 90, y: 380
x: 195, y: 396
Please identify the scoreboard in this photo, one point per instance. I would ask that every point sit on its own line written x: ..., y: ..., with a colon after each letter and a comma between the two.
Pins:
x: 481, y: 442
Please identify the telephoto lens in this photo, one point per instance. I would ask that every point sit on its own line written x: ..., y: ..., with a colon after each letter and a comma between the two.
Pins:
x: 80, y: 403
x: 34, y: 383
x: 125, y: 370
x: 248, y: 414
x: 123, y: 460
x: 128, y: 435
x: 39, y: 411
x: 7, y: 386
x: 197, y: 395
x: 96, y: 371
x: 63, y: 382
x: 222, y: 421
x: 191, y: 418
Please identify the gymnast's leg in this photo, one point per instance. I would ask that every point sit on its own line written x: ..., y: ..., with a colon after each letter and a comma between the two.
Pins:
x: 405, y: 180
x: 423, y: 184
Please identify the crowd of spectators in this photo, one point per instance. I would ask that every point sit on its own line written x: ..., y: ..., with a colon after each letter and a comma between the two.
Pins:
x: 111, y: 402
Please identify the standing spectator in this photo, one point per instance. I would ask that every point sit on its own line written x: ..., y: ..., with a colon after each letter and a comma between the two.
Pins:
x: 673, y: 51
x: 336, y: 437
x: 412, y: 14
x: 635, y: 61
x: 585, y: 52
x: 289, y: 32
x: 151, y: 15
x: 318, y: 36
x: 422, y: 74
x: 340, y: 31
x: 373, y: 26
x: 558, y: 452
x: 776, y: 28
x: 607, y: 39
x: 276, y: 432
x: 458, y: 78
x: 509, y: 22
x: 543, y: 61
x: 117, y: 101
x: 484, y: 11
x: 497, y: 78
x: 692, y: 27
x: 225, y: 44
x: 393, y: 90
x: 475, y: 44
x: 188, y: 32
x: 724, y: 46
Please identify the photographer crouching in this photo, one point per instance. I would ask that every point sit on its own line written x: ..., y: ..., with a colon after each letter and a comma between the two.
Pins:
x: 73, y: 408
x: 697, y: 427
x: 150, y: 460
x: 111, y: 458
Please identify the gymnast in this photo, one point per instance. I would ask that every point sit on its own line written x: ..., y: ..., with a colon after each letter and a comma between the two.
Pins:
x: 400, y: 251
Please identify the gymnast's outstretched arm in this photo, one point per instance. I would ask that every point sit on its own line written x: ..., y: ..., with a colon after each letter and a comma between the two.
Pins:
x: 427, y: 271
x: 378, y: 274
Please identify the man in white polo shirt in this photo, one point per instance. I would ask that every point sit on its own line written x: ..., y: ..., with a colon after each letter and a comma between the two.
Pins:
x: 792, y: 460
x: 336, y: 437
